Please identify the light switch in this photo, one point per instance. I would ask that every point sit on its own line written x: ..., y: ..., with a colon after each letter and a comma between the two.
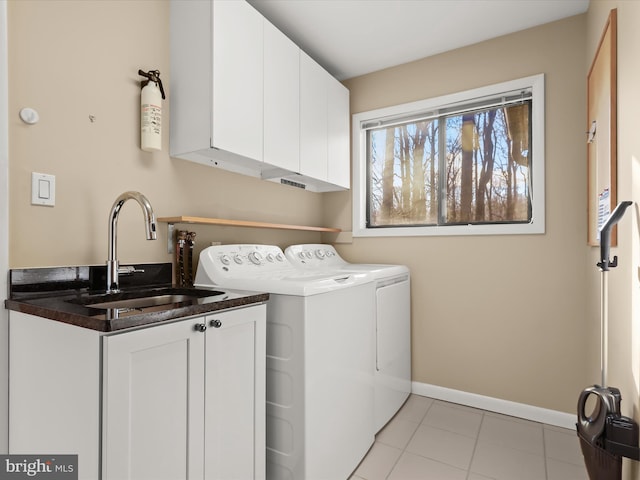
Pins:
x: 43, y: 189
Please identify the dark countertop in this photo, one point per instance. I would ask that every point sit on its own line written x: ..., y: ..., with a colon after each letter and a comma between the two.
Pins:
x: 65, y: 294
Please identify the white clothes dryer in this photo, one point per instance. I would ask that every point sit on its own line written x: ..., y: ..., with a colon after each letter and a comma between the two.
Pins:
x: 319, y: 352
x: 392, y: 375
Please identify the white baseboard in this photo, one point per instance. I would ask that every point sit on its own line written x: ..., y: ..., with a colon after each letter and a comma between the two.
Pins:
x: 506, y: 407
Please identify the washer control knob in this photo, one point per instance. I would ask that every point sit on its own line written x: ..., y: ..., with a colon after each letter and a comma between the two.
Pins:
x: 215, y: 323
x: 331, y: 253
x: 255, y: 258
x: 309, y: 254
x: 279, y: 257
x: 270, y: 257
x: 224, y: 259
x: 301, y: 255
x: 237, y: 259
x: 320, y: 254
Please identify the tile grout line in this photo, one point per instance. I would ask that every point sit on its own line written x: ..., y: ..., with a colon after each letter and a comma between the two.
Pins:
x: 544, y: 452
x: 405, y: 447
x: 468, y: 472
x: 475, y: 446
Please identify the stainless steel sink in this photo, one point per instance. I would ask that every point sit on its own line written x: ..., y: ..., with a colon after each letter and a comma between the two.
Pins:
x: 148, y: 298
x: 145, y: 302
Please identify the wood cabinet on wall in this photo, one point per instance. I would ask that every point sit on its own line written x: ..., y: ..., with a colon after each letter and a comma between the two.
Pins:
x: 180, y: 400
x: 245, y: 98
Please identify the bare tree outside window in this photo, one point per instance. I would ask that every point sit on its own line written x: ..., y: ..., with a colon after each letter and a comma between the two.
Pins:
x: 484, y: 157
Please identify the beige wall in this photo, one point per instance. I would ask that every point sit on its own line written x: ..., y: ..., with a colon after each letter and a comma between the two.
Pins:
x: 502, y: 316
x: 70, y: 60
x: 508, y: 317
x: 624, y: 294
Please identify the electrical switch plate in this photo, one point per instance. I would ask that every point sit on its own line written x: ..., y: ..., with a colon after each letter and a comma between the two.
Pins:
x: 43, y: 189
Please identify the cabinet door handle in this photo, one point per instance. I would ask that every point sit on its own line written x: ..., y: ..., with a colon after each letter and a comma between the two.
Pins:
x: 201, y: 327
x: 215, y: 323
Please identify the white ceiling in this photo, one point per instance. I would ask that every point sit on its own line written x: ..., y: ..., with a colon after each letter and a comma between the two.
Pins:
x: 354, y: 37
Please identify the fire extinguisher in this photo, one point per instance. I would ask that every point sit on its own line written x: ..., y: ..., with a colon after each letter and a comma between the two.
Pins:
x: 151, y: 98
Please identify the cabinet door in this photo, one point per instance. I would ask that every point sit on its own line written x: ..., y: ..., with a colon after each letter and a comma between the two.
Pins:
x: 153, y: 403
x: 281, y: 100
x: 237, y: 78
x: 313, y: 118
x: 339, y: 164
x: 235, y: 395
x: 54, y: 391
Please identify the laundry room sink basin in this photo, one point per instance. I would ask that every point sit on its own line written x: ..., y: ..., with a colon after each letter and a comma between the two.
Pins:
x: 140, y: 299
x: 144, y: 302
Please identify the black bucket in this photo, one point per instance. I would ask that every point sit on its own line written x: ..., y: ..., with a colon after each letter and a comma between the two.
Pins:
x: 600, y: 464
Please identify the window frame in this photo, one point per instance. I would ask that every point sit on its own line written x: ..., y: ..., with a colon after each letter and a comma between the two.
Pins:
x: 359, y: 135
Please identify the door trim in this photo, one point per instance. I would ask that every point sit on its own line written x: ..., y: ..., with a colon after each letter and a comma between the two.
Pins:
x: 4, y: 227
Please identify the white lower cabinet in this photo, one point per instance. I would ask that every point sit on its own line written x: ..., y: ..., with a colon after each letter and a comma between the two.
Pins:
x: 181, y: 400
x: 235, y: 385
x: 154, y: 403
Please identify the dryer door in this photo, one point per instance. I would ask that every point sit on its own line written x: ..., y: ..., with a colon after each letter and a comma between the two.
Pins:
x: 392, y: 378
x: 393, y: 318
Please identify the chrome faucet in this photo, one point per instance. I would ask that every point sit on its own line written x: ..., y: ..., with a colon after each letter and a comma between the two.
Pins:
x: 150, y: 224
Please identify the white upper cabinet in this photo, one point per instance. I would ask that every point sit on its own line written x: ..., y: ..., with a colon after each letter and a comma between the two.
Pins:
x: 246, y: 98
x: 324, y: 125
x: 189, y: 92
x: 338, y: 156
x: 281, y: 100
x: 313, y: 118
x: 216, y: 89
x: 237, y: 79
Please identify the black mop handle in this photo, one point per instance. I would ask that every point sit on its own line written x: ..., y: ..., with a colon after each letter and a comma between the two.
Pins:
x: 605, y: 235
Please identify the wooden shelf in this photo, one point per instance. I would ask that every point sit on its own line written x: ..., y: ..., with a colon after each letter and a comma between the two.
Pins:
x: 244, y: 223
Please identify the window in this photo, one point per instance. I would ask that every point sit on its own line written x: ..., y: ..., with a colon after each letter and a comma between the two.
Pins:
x: 468, y: 163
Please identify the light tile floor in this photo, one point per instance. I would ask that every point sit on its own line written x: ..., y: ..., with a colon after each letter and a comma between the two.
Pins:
x: 434, y: 440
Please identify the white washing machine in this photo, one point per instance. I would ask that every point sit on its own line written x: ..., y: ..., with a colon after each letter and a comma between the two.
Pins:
x: 319, y: 355
x: 392, y: 375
